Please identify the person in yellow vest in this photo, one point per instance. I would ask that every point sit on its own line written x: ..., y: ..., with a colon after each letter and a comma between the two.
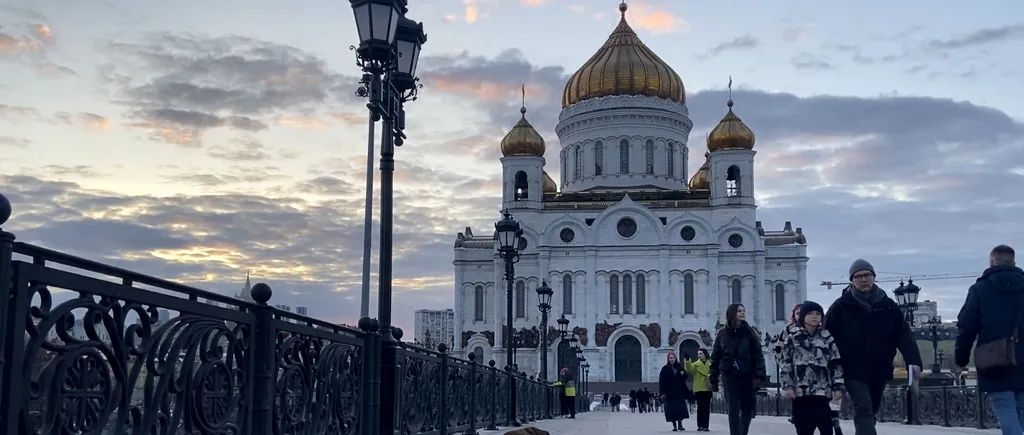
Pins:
x: 568, y: 393
x: 699, y: 370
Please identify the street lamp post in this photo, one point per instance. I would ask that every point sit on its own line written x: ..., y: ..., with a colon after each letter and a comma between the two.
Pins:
x: 933, y: 325
x: 509, y: 233
x: 388, y: 54
x: 906, y: 298
x: 544, y: 294
x: 563, y: 329
x: 578, y: 372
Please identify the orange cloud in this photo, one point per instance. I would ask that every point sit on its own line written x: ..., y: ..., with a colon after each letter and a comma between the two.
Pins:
x: 576, y: 9
x: 646, y: 17
x: 300, y: 122
x: 532, y: 3
x: 35, y: 39
x: 485, y: 90
x: 351, y: 118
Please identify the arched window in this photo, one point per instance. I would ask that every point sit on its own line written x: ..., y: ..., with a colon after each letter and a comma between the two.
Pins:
x: 520, y: 299
x: 479, y: 351
x: 649, y: 156
x: 624, y: 157
x: 567, y: 294
x: 641, y: 294
x: 627, y: 294
x: 780, y: 302
x: 565, y: 165
x: 578, y: 162
x: 671, y: 159
x: 598, y: 158
x: 688, y: 296
x: 732, y: 181
x: 478, y: 303
x: 613, y: 294
x: 522, y: 188
x: 737, y: 292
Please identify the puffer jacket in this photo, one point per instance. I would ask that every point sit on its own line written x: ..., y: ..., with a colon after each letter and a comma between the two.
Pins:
x: 811, y: 363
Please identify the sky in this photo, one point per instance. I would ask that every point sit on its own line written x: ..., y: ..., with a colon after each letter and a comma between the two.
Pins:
x: 198, y: 140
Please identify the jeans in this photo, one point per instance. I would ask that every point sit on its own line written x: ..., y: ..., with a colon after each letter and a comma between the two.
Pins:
x: 739, y: 395
x: 866, y: 398
x: 703, y: 408
x: 1008, y: 406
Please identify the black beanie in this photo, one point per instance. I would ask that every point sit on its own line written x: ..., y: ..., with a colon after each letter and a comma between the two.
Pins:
x: 809, y: 307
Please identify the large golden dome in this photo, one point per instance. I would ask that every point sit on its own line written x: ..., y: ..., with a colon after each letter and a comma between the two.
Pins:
x: 549, y: 184
x: 701, y: 180
x: 730, y: 134
x: 522, y: 139
x: 623, y: 66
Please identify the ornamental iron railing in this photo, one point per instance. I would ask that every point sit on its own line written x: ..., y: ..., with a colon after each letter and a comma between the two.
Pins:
x: 90, y: 348
x: 950, y: 406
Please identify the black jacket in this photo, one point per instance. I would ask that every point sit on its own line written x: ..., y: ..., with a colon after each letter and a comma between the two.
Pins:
x: 672, y: 385
x: 991, y: 312
x: 737, y: 352
x: 868, y: 340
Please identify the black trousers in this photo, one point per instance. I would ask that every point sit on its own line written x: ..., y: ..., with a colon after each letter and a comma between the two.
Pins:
x: 568, y: 405
x: 866, y: 398
x: 703, y: 408
x: 810, y: 413
x: 739, y: 395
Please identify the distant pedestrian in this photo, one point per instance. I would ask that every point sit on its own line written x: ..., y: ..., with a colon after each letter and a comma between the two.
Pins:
x: 811, y: 373
x: 992, y: 315
x: 868, y: 327
x: 738, y: 362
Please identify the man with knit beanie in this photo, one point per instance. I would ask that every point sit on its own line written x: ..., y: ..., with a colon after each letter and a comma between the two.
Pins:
x: 869, y: 328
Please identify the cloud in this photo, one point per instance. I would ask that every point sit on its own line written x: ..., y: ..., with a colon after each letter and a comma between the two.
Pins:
x: 179, y: 86
x: 745, y: 42
x: 810, y: 61
x: 657, y: 21
x: 17, y: 142
x: 90, y: 121
x: 794, y: 33
x: 978, y: 37
x: 29, y: 41
x: 247, y: 149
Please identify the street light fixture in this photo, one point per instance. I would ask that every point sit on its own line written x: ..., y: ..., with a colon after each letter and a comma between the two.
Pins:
x: 544, y: 294
x: 933, y: 325
x: 388, y: 82
x: 508, y: 234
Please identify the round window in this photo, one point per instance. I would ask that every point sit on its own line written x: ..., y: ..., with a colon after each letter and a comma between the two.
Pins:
x: 688, y: 233
x: 735, y: 240
x: 626, y: 227
x: 523, y: 244
x: 567, y: 235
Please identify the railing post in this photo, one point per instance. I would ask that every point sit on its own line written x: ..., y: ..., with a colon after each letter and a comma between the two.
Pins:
x: 371, y: 379
x: 264, y: 362
x: 980, y: 404
x: 6, y: 286
x: 474, y: 409
x: 945, y: 406
x: 442, y: 414
x: 510, y: 375
x: 493, y: 382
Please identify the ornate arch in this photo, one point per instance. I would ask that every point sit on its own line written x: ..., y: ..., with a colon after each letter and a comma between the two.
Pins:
x: 705, y: 231
x: 749, y: 233
x: 624, y: 207
x: 479, y: 340
x: 551, y: 231
x: 623, y: 330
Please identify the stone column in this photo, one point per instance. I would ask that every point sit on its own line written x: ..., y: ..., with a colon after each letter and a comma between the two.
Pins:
x: 702, y: 294
x: 666, y: 295
x: 754, y: 304
x: 801, y: 270
x: 601, y: 295
x: 765, y: 302
x: 714, y: 291
x: 592, y: 297
x: 579, y: 299
x: 460, y: 306
x: 499, y: 301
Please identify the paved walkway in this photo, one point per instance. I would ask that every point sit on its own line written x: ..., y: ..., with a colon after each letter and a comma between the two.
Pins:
x: 624, y: 423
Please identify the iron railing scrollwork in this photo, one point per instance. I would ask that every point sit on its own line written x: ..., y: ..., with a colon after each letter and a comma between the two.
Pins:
x: 89, y: 348
x: 950, y: 406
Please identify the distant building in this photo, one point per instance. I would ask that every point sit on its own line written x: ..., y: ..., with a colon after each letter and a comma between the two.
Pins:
x: 246, y: 293
x: 925, y: 311
x: 434, y: 327
x: 302, y: 311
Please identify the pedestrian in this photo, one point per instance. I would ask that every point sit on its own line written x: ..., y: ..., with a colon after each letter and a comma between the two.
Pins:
x: 674, y: 392
x: 604, y: 399
x: 738, y: 362
x: 782, y: 339
x: 992, y: 316
x: 811, y: 373
x: 699, y: 371
x: 868, y: 327
x: 632, y: 400
x: 616, y: 402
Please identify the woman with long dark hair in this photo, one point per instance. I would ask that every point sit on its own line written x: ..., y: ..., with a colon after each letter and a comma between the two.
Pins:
x: 738, y: 363
x: 699, y: 371
x: 674, y: 392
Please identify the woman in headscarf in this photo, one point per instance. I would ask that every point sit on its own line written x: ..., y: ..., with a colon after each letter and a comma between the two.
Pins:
x: 738, y: 362
x: 674, y: 392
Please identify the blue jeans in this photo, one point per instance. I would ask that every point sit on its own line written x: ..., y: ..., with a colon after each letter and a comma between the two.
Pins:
x: 1007, y: 406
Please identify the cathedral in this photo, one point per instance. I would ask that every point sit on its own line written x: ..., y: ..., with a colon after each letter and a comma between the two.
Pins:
x: 643, y: 258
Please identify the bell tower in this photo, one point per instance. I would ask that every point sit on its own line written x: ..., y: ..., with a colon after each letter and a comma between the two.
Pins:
x: 522, y: 165
x: 731, y: 160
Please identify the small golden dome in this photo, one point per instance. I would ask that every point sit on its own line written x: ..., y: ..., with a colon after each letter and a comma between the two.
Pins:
x: 730, y: 134
x: 623, y: 66
x: 549, y: 184
x: 522, y: 139
x: 701, y: 179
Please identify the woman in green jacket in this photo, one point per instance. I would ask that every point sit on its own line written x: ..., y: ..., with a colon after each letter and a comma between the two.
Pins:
x: 699, y: 371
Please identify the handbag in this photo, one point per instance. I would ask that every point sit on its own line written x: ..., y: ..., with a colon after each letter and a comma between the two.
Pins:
x: 1000, y: 353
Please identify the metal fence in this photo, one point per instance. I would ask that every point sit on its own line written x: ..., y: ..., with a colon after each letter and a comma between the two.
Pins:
x: 950, y: 406
x: 90, y: 348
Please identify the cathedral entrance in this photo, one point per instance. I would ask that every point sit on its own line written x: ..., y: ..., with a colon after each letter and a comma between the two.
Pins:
x: 688, y: 349
x: 628, y: 359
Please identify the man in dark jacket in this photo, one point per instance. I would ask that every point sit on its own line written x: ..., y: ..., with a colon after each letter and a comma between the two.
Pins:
x: 991, y: 312
x: 868, y: 327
